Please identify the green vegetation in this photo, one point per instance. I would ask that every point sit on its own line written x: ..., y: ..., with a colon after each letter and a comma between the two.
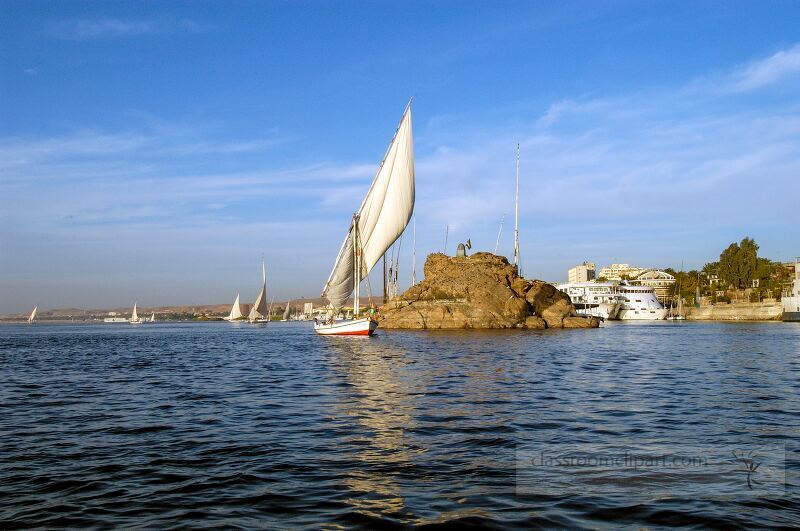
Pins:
x: 738, y: 267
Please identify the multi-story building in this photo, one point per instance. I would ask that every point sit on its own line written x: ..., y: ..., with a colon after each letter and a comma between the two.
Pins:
x: 581, y: 273
x: 660, y: 281
x: 620, y: 272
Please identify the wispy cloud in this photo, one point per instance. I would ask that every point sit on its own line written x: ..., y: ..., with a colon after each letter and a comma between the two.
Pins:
x: 766, y: 71
x: 114, y: 28
x: 638, y: 177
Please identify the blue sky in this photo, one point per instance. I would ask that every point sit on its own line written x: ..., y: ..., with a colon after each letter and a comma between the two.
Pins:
x: 154, y: 151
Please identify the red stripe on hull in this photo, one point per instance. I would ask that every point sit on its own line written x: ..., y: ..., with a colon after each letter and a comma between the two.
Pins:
x: 356, y: 333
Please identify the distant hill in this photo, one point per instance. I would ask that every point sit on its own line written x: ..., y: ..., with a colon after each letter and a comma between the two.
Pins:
x: 162, y: 312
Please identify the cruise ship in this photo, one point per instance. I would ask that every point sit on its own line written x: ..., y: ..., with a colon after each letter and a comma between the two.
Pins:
x: 639, y: 303
x: 598, y: 299
x: 791, y: 297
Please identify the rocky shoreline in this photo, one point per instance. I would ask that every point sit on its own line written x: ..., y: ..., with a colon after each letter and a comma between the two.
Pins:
x: 482, y: 291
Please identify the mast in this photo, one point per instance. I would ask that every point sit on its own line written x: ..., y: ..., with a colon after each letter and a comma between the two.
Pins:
x: 357, y: 265
x: 385, y: 292
x: 414, y: 256
x: 446, y: 234
x: 516, y: 218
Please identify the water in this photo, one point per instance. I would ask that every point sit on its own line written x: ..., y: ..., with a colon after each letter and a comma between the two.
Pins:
x: 170, y: 425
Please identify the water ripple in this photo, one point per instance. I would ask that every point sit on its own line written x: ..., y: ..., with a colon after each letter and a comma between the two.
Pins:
x: 175, y: 425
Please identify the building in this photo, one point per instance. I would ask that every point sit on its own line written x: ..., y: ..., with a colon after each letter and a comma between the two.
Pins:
x: 581, y: 273
x: 660, y: 281
x: 620, y: 272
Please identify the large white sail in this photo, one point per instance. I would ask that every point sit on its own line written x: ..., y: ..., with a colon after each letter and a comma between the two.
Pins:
x: 382, y: 217
x: 259, y: 309
x: 134, y: 315
x: 236, y: 310
x: 33, y: 314
x: 287, y: 311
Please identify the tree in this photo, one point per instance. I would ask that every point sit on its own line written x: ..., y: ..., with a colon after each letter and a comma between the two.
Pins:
x: 738, y: 263
x: 748, y: 261
x: 729, y: 265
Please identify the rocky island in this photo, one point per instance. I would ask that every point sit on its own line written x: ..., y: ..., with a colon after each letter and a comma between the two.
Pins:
x: 479, y: 291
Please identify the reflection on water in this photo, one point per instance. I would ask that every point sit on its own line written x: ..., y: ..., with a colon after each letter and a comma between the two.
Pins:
x: 169, y: 425
x: 377, y: 401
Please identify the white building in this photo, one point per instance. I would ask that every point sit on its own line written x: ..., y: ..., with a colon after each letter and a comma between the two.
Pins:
x: 660, y: 281
x: 581, y: 273
x: 620, y: 272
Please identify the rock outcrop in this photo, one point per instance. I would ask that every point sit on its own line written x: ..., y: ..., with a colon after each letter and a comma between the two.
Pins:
x: 479, y: 291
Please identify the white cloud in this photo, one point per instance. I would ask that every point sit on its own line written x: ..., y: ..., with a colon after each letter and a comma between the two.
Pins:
x: 114, y: 28
x: 764, y: 72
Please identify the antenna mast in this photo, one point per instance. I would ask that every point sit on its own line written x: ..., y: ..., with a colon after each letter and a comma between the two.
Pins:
x: 516, y: 219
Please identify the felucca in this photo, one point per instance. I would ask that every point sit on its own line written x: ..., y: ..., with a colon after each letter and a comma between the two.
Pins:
x: 134, y: 316
x: 258, y: 313
x: 380, y: 220
x: 32, y: 318
x: 236, y: 311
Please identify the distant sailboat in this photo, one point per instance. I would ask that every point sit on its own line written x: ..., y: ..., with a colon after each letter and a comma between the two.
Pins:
x: 380, y: 220
x: 32, y: 318
x: 287, y: 311
x: 134, y: 316
x: 153, y: 317
x: 258, y: 313
x: 236, y: 311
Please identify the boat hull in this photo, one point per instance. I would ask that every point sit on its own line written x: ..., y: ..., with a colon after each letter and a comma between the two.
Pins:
x: 356, y: 327
x: 603, y: 310
x: 658, y: 314
x: 791, y: 317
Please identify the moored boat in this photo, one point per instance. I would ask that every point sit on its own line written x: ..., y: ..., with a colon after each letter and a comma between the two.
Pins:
x: 639, y: 303
x: 596, y: 299
x: 791, y: 298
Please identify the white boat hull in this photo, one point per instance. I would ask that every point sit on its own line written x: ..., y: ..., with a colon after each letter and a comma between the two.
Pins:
x: 642, y: 315
x: 603, y: 310
x: 356, y: 327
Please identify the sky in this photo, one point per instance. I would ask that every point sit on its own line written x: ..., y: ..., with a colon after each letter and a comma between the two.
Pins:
x: 156, y: 151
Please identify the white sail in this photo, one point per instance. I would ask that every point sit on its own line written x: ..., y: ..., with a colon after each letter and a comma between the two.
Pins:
x: 287, y: 311
x: 259, y: 309
x: 382, y: 217
x: 236, y: 310
x: 33, y: 314
x: 153, y: 317
x: 134, y: 315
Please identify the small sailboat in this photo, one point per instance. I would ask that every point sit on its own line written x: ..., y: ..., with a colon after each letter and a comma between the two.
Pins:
x: 236, y: 311
x: 287, y: 311
x: 380, y: 220
x: 153, y: 317
x: 135, y: 316
x: 32, y: 317
x: 258, y: 313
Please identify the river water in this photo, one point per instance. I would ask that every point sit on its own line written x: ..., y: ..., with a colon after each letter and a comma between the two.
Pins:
x: 272, y: 426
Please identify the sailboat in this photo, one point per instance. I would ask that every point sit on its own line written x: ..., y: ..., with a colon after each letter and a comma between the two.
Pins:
x: 134, y: 316
x: 32, y: 318
x: 236, y: 311
x: 380, y: 220
x: 258, y: 313
x: 153, y: 317
x: 287, y: 312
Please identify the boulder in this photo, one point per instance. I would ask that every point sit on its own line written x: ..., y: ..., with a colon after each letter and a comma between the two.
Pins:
x: 479, y: 291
